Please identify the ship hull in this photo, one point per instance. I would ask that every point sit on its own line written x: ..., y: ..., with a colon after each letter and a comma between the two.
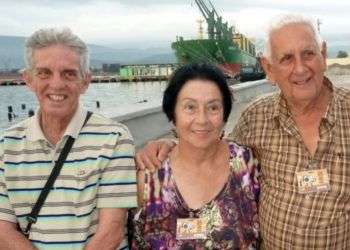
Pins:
x: 223, y: 53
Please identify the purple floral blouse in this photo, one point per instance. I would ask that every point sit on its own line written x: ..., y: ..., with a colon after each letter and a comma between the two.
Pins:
x: 231, y: 217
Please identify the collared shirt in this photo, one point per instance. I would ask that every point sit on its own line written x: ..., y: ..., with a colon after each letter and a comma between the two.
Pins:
x: 99, y: 172
x: 35, y: 133
x: 289, y: 219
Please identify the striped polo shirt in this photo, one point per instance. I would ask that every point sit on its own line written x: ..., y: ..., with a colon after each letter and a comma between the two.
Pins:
x: 99, y: 172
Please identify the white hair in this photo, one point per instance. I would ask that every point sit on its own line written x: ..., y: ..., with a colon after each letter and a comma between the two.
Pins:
x: 289, y: 19
x: 51, y: 36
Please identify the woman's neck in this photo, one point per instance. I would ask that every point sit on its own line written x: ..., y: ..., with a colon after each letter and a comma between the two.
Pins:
x: 194, y: 168
x: 199, y: 157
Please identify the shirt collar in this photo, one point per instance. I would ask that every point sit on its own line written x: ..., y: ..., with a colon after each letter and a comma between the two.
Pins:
x: 281, y: 110
x: 331, y: 113
x: 35, y: 133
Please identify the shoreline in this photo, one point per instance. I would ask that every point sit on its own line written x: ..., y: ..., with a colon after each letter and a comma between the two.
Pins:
x: 150, y: 123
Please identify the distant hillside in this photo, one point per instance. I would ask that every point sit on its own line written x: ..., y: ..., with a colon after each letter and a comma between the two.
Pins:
x: 333, y: 50
x: 101, y: 54
x: 11, y: 54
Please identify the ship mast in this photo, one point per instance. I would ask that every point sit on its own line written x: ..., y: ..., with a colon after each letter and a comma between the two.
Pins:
x: 200, y: 28
x: 319, y: 25
x: 216, y: 28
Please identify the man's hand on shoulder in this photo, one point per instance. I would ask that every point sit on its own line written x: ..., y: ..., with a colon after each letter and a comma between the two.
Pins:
x: 153, y: 154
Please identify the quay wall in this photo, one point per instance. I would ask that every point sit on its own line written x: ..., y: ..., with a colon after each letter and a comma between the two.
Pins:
x: 152, y: 123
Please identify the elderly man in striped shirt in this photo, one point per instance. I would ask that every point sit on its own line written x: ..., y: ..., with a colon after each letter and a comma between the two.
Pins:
x: 302, y: 138
x: 86, y: 206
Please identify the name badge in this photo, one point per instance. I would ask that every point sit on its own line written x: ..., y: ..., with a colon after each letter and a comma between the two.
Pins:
x: 313, y: 181
x: 191, y: 228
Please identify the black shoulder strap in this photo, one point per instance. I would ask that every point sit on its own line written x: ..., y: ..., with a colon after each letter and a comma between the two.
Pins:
x: 32, y: 217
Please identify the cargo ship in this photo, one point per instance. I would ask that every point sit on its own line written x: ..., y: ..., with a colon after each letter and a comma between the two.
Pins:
x: 230, y: 50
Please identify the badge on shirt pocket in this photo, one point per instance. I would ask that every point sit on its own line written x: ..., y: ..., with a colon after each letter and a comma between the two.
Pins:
x: 313, y: 181
x: 191, y: 228
x: 85, y: 176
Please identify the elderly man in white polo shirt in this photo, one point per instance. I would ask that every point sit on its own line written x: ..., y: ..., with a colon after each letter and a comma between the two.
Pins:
x: 86, y: 206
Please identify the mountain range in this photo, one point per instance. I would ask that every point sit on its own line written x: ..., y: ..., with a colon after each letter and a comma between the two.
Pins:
x: 12, y: 49
x: 11, y: 52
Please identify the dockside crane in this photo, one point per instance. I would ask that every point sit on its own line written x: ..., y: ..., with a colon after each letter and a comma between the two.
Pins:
x: 216, y: 28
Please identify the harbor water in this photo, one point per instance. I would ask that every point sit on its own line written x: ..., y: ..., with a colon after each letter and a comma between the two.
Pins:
x: 114, y: 98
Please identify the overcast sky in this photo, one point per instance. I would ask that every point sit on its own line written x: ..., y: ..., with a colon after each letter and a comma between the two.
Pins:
x: 131, y: 22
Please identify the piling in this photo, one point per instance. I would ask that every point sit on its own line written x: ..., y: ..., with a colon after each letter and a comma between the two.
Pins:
x: 30, y: 113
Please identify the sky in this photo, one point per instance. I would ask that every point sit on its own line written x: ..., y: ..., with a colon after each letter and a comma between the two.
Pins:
x: 147, y: 23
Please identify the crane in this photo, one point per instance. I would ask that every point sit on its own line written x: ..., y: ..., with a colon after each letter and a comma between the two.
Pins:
x: 216, y: 28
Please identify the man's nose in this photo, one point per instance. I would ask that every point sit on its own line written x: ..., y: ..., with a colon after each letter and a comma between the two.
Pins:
x: 300, y: 66
x: 56, y: 80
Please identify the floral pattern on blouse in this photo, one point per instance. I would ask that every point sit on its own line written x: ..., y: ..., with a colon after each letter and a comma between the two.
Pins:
x: 232, y: 216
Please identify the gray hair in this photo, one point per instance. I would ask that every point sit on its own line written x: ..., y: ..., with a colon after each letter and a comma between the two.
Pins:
x: 51, y: 36
x: 286, y: 20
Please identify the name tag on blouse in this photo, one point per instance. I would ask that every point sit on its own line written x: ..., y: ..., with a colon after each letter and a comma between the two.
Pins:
x: 313, y: 181
x: 191, y: 228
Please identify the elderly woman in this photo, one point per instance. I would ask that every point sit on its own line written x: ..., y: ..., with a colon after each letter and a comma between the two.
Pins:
x: 204, y: 195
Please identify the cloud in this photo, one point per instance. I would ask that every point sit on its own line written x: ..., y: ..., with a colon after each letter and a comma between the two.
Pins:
x: 143, y: 22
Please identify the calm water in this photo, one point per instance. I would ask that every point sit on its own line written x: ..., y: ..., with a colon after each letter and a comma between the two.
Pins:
x: 115, y: 99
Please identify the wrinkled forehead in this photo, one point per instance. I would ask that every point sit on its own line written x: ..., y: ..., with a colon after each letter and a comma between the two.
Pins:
x: 199, y: 91
x: 56, y: 56
x: 293, y: 37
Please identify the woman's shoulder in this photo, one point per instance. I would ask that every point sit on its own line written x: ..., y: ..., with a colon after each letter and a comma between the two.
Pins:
x: 245, y: 166
x: 159, y: 174
x: 238, y: 150
x: 242, y: 158
x: 150, y: 183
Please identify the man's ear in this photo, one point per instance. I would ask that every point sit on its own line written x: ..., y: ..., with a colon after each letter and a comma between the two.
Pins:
x: 324, y: 54
x: 85, y: 82
x: 265, y: 63
x: 324, y: 50
x: 27, y: 77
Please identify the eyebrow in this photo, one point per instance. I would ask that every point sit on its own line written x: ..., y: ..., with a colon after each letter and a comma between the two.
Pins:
x: 41, y: 68
x: 284, y: 54
x: 308, y: 47
x: 70, y: 70
x: 194, y: 100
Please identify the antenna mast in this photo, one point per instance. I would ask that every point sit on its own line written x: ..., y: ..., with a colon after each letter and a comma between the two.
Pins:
x: 200, y: 28
x: 319, y: 25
